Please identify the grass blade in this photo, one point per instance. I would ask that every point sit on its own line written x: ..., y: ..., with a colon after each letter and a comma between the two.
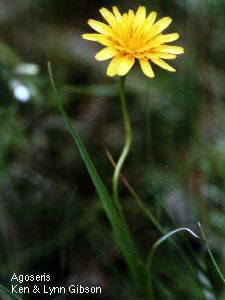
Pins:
x: 211, y: 254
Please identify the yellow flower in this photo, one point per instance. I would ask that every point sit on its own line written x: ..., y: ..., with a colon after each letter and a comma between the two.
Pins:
x: 132, y: 36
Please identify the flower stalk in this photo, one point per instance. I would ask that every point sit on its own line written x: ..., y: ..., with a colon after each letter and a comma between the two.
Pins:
x: 143, y: 288
x: 127, y: 144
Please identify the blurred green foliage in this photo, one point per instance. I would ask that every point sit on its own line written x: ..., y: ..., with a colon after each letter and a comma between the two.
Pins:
x: 51, y: 219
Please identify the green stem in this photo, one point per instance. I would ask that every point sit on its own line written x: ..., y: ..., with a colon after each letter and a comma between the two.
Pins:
x: 127, y: 144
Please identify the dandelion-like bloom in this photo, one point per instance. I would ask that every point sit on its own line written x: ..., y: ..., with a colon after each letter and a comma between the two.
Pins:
x: 132, y: 36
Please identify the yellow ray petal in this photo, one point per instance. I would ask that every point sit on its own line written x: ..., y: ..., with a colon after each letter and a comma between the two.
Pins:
x: 160, y: 55
x: 90, y: 36
x: 146, y: 67
x: 170, y: 49
x: 106, y: 53
x: 167, y: 56
x: 130, y: 18
x: 143, y: 34
x: 131, y: 14
x: 113, y: 66
x: 108, y: 16
x: 160, y: 26
x: 100, y: 27
x: 117, y: 13
x: 96, y: 37
x: 151, y: 18
x: 163, y: 64
x: 138, y: 23
x: 125, y: 26
x: 159, y: 40
x: 150, y: 45
x: 140, y: 15
x: 166, y: 38
x: 125, y: 64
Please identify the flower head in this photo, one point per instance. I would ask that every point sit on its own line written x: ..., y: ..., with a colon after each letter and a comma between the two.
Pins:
x: 132, y: 36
